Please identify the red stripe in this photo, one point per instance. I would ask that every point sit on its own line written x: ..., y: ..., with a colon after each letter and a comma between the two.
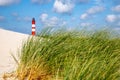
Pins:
x: 33, y: 22
x: 33, y: 33
x: 33, y: 27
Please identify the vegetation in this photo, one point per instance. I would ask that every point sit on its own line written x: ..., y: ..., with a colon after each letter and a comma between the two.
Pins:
x: 65, y: 55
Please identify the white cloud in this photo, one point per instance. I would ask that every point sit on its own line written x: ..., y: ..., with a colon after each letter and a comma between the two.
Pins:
x: 64, y: 23
x: 90, y: 12
x: 116, y: 1
x: 63, y: 6
x: 81, y: 1
x: 43, y: 17
x: 111, y: 18
x: 8, y: 2
x: 99, y: 2
x: 118, y: 24
x: 95, y: 9
x: 48, y: 21
x: 117, y: 28
x: 116, y: 8
x: 40, y: 1
x: 51, y: 21
x: 54, y: 21
x: 86, y: 24
x: 2, y: 18
x: 15, y: 14
x: 18, y: 18
x: 84, y: 16
x: 27, y: 18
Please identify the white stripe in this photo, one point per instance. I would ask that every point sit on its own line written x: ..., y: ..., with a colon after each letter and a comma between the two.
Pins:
x: 33, y: 25
x: 33, y: 29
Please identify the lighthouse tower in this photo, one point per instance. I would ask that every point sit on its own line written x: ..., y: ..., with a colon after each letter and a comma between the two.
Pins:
x: 33, y: 27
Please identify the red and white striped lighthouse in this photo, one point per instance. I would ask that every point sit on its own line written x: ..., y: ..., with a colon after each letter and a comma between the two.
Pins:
x: 33, y: 27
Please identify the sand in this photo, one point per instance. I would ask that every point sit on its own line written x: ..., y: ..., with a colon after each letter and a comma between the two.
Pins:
x: 10, y: 42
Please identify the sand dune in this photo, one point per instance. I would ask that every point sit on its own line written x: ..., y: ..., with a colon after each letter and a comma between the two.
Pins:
x: 10, y: 42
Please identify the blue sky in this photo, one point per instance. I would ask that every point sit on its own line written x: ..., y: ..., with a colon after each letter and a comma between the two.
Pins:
x: 16, y: 15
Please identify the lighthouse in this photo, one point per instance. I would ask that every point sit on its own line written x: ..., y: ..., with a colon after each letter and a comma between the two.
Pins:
x: 33, y: 27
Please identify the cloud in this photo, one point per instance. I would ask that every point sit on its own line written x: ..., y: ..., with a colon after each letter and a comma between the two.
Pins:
x: 118, y: 23
x: 111, y: 18
x: 81, y: 1
x: 48, y: 21
x: 2, y: 18
x: 43, y: 17
x: 116, y: 1
x: 40, y: 1
x: 100, y: 2
x: 54, y: 21
x: 17, y: 17
x: 86, y: 24
x: 15, y: 14
x: 95, y: 9
x: 92, y: 11
x: 51, y: 21
x: 84, y: 16
x: 116, y: 8
x: 8, y: 2
x: 117, y: 28
x: 63, y: 6
x: 25, y: 18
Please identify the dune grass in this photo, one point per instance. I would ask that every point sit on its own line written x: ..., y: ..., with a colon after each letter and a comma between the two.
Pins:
x: 70, y: 56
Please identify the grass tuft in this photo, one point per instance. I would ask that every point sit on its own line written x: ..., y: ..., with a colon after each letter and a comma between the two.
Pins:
x: 64, y: 55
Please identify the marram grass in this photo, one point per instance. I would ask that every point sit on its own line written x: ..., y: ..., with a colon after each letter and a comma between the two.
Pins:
x: 70, y: 56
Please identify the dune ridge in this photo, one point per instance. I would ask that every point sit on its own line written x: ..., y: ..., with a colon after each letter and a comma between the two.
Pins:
x: 10, y: 42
